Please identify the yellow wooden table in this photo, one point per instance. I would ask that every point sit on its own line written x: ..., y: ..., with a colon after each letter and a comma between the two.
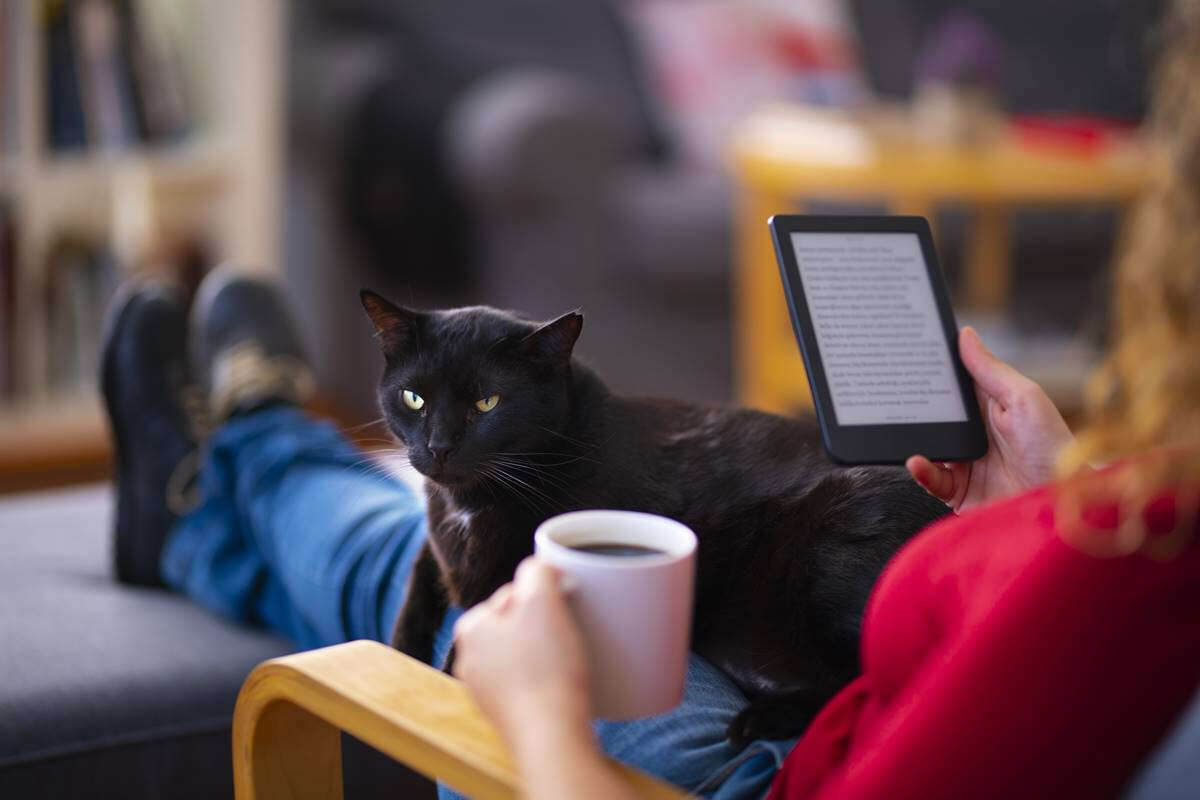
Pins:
x: 785, y: 157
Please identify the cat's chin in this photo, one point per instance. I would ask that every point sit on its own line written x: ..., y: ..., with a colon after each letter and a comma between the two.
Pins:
x: 449, y: 480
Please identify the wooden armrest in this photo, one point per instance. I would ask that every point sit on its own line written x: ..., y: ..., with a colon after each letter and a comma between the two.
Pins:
x: 286, y: 741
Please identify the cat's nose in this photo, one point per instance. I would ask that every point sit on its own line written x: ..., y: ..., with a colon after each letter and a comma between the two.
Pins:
x: 441, y: 452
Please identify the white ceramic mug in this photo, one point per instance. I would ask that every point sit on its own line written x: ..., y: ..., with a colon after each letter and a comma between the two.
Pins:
x: 635, y: 611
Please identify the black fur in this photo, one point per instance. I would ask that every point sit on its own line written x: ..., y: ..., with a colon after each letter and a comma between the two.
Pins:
x: 789, y: 544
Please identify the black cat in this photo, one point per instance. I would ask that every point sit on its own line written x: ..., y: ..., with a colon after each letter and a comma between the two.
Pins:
x: 510, y: 430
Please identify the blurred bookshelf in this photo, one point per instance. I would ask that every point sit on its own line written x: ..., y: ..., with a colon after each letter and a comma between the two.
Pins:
x: 136, y: 136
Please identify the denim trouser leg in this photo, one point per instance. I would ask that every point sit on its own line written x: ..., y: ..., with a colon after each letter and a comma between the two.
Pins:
x: 300, y: 533
x: 685, y: 746
x: 297, y: 531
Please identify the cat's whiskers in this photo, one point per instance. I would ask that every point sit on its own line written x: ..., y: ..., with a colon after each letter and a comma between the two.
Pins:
x: 383, y: 461
x: 488, y: 485
x: 370, y: 470
x: 523, y: 463
x: 373, y: 467
x: 536, y: 471
x: 565, y: 458
x: 564, y: 437
x: 492, y: 472
x: 373, y: 457
x: 531, y: 489
x: 512, y: 488
x: 534, y: 491
x: 356, y: 428
x: 540, y: 471
x: 386, y: 448
x: 377, y: 445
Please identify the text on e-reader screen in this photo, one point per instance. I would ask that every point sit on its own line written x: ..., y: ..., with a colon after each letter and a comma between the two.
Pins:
x: 880, y: 338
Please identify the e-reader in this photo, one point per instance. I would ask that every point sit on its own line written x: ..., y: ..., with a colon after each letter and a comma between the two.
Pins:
x: 878, y: 337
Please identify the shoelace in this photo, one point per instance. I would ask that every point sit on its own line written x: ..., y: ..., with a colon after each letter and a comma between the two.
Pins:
x: 243, y: 376
x: 200, y: 419
x: 183, y: 488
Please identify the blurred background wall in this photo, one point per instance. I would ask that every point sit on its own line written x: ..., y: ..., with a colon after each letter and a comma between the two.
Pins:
x: 544, y: 155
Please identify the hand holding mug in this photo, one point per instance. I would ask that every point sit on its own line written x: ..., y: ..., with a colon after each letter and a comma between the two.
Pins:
x: 522, y: 656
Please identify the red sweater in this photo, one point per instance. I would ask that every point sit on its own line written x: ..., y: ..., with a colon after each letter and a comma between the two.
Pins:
x: 1000, y: 661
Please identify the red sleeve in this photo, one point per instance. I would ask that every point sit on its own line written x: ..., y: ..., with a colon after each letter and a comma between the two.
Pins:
x: 1073, y: 674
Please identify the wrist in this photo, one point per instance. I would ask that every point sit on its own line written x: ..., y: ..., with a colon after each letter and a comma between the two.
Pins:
x: 538, y: 721
x: 559, y: 756
x: 571, y: 744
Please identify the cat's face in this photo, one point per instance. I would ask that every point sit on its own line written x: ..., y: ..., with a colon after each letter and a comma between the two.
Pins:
x: 465, y: 387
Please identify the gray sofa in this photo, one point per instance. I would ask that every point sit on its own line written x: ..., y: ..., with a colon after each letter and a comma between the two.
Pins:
x: 115, y: 691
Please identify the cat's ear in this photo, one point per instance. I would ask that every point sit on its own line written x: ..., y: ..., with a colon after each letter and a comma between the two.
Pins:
x: 395, y: 326
x: 553, y: 342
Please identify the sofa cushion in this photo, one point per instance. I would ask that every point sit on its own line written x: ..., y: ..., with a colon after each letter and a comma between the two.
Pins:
x: 89, y: 663
x: 116, y: 691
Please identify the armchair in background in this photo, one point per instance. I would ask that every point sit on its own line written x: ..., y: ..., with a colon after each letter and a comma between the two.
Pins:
x: 503, y: 153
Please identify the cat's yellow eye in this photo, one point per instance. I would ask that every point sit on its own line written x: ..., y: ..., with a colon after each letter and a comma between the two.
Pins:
x: 487, y: 403
x: 413, y: 400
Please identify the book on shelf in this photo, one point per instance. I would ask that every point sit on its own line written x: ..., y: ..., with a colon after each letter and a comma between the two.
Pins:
x: 64, y: 101
x: 9, y: 120
x: 114, y: 77
x: 101, y: 37
x: 158, y: 35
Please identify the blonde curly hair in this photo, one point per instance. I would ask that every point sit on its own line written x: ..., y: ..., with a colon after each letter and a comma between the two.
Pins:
x: 1146, y: 394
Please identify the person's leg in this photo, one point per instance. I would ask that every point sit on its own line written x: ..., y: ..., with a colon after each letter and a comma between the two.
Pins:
x: 687, y: 745
x: 297, y: 530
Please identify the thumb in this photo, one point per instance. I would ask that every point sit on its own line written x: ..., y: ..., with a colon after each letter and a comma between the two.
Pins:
x: 992, y: 375
x: 937, y: 479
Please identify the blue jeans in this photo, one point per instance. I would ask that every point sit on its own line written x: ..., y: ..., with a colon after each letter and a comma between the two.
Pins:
x: 303, y: 534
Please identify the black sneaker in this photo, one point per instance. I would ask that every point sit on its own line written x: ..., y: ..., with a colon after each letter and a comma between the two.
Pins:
x: 245, y: 347
x: 144, y: 377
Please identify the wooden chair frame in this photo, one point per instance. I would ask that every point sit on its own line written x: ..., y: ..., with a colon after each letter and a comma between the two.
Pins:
x: 286, y: 740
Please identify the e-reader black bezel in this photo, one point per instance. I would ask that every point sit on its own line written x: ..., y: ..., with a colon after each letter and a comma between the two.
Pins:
x: 877, y: 444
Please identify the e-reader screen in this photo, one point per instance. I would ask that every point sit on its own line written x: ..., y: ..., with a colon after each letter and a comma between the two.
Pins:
x: 877, y: 328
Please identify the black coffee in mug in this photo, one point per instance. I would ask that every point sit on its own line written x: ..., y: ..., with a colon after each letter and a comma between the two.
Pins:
x: 616, y: 549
